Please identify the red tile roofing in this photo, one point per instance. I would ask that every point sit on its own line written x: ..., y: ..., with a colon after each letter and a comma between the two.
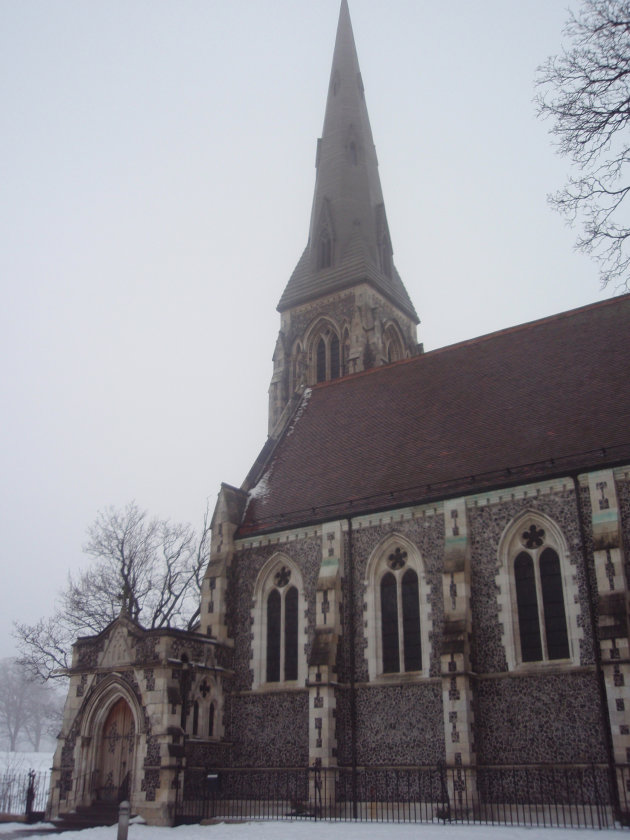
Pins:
x: 542, y: 399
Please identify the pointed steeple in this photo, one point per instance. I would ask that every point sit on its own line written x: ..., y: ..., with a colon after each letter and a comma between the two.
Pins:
x: 349, y: 240
x: 345, y: 308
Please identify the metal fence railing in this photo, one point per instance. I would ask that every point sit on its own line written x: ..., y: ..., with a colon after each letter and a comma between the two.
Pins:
x: 24, y: 793
x: 533, y: 795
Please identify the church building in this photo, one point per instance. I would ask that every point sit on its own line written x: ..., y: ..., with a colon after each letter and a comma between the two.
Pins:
x: 425, y: 567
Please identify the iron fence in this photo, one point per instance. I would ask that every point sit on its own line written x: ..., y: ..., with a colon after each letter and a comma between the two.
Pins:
x: 541, y: 795
x: 24, y: 793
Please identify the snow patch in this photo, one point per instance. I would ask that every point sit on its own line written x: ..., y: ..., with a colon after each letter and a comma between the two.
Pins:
x: 305, y: 398
x: 261, y: 490
x: 331, y: 831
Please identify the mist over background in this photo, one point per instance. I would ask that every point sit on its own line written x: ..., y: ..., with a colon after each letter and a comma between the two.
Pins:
x: 156, y: 178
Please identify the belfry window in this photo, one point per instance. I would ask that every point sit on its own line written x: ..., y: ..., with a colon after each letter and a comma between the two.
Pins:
x: 282, y: 629
x: 327, y: 356
x: 321, y: 360
x: 393, y: 343
x: 400, y: 616
x: 334, y: 357
x: 542, y: 623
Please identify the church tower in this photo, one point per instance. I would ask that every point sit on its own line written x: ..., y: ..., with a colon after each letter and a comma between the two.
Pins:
x: 345, y: 308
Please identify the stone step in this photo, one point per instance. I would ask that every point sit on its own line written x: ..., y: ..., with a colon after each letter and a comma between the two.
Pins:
x: 89, y: 816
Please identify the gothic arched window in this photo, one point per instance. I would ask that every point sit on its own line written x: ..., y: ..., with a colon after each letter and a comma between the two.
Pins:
x: 394, y: 347
x: 282, y: 630
x: 397, y: 632
x: 544, y: 619
x: 334, y: 357
x: 274, y: 632
x: 400, y: 622
x: 211, y: 721
x: 278, y: 624
x: 324, y: 353
x: 321, y: 360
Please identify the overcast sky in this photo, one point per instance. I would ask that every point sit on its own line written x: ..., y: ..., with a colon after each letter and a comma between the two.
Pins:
x: 156, y: 175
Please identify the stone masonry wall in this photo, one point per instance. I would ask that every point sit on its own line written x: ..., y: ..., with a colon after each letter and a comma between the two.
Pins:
x: 540, y: 718
x: 396, y: 725
x: 268, y: 730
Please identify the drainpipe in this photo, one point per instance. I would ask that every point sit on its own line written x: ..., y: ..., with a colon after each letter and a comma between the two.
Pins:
x: 601, y: 683
x: 353, y: 698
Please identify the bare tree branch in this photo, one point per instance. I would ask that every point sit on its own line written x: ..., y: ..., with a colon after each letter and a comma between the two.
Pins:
x: 586, y: 92
x: 149, y: 569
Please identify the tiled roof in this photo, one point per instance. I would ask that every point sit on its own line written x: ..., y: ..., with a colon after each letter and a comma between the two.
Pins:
x: 542, y: 399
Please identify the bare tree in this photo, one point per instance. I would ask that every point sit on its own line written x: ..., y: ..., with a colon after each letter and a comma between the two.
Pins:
x: 149, y: 569
x: 28, y: 707
x: 586, y: 92
x: 13, y: 702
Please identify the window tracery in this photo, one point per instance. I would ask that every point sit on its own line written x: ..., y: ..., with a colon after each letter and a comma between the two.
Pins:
x: 278, y: 623
x: 325, y: 352
x: 544, y: 621
x: 397, y: 633
x: 393, y: 344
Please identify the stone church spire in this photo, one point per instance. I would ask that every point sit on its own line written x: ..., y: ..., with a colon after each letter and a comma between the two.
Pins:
x: 345, y: 307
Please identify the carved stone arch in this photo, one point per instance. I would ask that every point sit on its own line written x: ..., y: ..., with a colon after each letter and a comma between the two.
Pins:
x: 395, y: 555
x: 280, y: 574
x: 98, y: 708
x: 323, y: 350
x: 99, y: 703
x: 530, y: 533
x: 393, y: 342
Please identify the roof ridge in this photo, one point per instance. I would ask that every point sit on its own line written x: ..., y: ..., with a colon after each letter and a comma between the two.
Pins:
x: 467, y: 342
x: 558, y: 316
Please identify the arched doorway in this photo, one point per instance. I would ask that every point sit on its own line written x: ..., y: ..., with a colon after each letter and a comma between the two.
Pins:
x: 116, y: 751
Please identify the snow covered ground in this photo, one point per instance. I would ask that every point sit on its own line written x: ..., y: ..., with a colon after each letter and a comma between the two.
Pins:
x: 332, y: 831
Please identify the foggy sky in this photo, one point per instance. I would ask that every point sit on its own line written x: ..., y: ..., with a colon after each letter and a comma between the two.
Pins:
x: 157, y: 174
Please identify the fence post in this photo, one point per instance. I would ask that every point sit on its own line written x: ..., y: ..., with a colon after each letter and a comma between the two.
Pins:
x: 123, y: 820
x: 30, y: 796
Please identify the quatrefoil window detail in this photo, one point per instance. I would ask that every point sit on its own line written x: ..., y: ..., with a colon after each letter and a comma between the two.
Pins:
x: 397, y: 560
x: 282, y: 576
x: 533, y: 538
